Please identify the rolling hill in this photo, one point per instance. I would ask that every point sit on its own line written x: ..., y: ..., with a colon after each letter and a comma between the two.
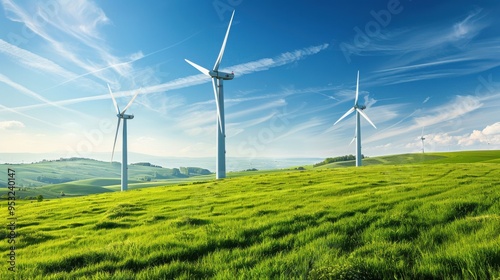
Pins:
x: 427, y: 158
x: 76, y: 177
x: 79, y: 176
x: 434, y: 220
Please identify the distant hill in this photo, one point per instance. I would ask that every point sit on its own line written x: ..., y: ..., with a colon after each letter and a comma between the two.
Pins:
x: 78, y: 176
x: 427, y: 158
x: 82, y: 174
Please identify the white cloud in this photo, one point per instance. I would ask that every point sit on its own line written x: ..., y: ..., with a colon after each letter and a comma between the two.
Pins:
x: 441, y: 139
x: 489, y: 135
x: 493, y: 129
x: 467, y: 28
x: 11, y: 125
x: 80, y: 18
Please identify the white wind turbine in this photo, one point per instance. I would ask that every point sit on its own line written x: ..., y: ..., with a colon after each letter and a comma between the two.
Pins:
x: 359, y: 111
x: 422, y: 138
x: 217, y: 82
x: 121, y: 115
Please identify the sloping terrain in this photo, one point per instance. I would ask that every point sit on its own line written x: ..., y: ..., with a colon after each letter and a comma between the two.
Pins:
x: 79, y: 176
x: 449, y: 157
x: 376, y: 222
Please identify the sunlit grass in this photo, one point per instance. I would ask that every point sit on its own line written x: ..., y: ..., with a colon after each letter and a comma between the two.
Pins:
x: 414, y: 221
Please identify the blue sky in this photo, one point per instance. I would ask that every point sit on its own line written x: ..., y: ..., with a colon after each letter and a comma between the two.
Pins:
x: 432, y: 64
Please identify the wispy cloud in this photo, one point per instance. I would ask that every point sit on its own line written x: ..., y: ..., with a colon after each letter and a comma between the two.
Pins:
x: 422, y: 65
x: 272, y: 105
x: 33, y: 61
x: 20, y: 88
x: 460, y: 106
x: 420, y: 42
x: 457, y: 108
x: 235, y: 128
x: 280, y: 60
x: 450, y: 49
x: 14, y: 111
x: 78, y: 23
x: 301, y: 127
x: 246, y: 68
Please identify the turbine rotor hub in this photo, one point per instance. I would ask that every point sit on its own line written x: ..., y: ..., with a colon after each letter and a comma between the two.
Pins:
x: 222, y: 75
x: 125, y: 116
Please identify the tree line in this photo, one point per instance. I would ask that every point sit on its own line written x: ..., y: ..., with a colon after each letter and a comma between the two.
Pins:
x: 337, y: 159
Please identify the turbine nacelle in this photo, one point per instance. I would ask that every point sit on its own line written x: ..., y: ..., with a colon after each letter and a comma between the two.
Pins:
x: 361, y: 107
x: 125, y: 116
x: 221, y: 75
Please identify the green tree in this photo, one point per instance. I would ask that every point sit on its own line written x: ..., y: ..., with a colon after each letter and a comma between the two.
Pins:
x: 39, y: 198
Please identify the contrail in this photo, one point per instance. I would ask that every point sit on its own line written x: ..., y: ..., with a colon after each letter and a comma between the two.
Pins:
x: 123, y: 63
x: 240, y: 69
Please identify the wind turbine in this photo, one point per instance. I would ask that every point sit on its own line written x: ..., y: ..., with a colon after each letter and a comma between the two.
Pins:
x: 422, y: 138
x: 359, y: 111
x: 217, y: 82
x: 121, y: 115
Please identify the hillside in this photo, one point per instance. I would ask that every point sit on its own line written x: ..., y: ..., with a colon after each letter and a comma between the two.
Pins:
x: 78, y: 176
x: 376, y: 222
x: 427, y: 158
x: 85, y: 176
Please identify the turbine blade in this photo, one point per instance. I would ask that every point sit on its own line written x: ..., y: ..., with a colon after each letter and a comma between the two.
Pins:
x: 366, y: 117
x: 216, y: 95
x: 353, y: 138
x: 221, y: 53
x: 357, y: 86
x: 422, y: 136
x: 355, y: 133
x: 201, y: 69
x: 114, y: 100
x: 345, y: 115
x: 131, y: 100
x: 116, y: 136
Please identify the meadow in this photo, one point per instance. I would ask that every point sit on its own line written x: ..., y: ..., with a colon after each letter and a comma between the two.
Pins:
x: 437, y: 219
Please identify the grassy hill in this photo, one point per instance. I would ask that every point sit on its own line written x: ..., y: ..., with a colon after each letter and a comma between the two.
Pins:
x: 86, y: 176
x: 79, y: 176
x: 449, y: 157
x: 412, y: 221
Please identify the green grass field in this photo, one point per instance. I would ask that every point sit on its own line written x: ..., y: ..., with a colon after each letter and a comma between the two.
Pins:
x: 436, y: 219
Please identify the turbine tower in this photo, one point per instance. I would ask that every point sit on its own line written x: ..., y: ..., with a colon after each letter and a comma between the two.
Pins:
x: 121, y: 115
x: 217, y: 82
x: 359, y: 111
x: 422, y: 138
